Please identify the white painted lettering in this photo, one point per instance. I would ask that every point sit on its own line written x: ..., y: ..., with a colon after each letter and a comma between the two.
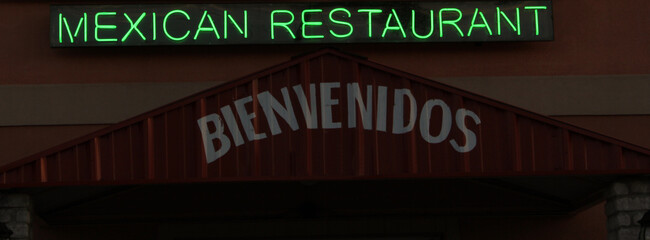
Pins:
x: 354, y: 94
x: 398, y: 111
x: 382, y: 93
x: 211, y: 154
x: 326, y: 103
x: 270, y: 105
x: 245, y: 118
x: 217, y: 143
x: 425, y: 121
x: 311, y: 119
x: 232, y: 125
x: 470, y: 137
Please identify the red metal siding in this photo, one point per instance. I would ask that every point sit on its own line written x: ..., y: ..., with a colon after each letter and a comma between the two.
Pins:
x: 165, y: 145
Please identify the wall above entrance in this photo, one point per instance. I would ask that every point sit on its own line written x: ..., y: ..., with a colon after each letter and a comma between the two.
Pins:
x: 328, y: 115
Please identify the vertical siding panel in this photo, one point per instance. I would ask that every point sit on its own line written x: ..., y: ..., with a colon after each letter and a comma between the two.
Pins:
x: 525, y: 143
x: 84, y: 161
x: 106, y: 151
x: 549, y: 155
x: 301, y: 139
x: 68, y: 165
x: 182, y: 145
x: 13, y: 176
x: 43, y: 169
x: 160, y: 146
x: 202, y: 164
x: 370, y: 159
x: 349, y: 137
x: 383, y: 140
x: 190, y: 143
x: 497, y: 150
x: 579, y: 154
x: 331, y: 137
x: 620, y: 152
x: 631, y: 159
x: 150, y: 171
x: 595, y: 154
x: 617, y: 156
x: 257, y: 151
x: 122, y: 153
x: 420, y: 145
x: 244, y: 154
x: 28, y: 173
x: 301, y: 142
x: 476, y: 156
x: 53, y: 168
x: 138, y: 150
x: 636, y: 161
x: 292, y: 76
x: 514, y: 124
x: 174, y: 143
x: 315, y: 72
x: 458, y: 162
x: 212, y: 105
x: 264, y: 148
x: 444, y: 159
x: 283, y: 159
x: 567, y: 148
x: 410, y: 137
x: 96, y: 164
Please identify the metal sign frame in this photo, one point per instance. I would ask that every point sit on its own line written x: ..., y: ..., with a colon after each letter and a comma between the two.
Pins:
x: 300, y: 23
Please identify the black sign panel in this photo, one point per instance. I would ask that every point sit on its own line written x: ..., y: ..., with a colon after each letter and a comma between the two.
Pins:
x: 295, y: 23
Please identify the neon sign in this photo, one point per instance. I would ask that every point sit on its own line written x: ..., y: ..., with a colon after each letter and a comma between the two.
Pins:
x: 291, y: 23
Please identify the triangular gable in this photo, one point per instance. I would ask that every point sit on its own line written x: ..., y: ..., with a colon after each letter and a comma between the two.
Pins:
x: 265, y: 127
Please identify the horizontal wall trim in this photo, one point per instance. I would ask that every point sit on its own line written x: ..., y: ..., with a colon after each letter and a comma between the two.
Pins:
x: 74, y: 104
x: 78, y: 104
x: 565, y: 95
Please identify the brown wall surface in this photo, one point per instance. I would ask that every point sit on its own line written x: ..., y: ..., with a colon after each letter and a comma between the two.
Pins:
x: 591, y: 38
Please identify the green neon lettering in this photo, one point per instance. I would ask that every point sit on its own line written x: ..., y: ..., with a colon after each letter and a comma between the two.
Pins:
x: 165, y: 25
x: 64, y: 21
x: 134, y: 26
x: 341, y: 23
x: 413, y: 26
x: 483, y: 25
x: 227, y: 16
x: 535, y: 8
x: 61, y: 28
x: 450, y: 22
x: 370, y: 12
x: 85, y: 27
x: 103, y: 26
x: 154, y: 26
x: 206, y: 29
x: 398, y: 27
x: 501, y: 13
x: 306, y: 23
x: 281, y: 24
x: 68, y: 28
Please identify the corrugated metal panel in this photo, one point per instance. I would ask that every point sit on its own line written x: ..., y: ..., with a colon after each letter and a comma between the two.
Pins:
x: 166, y: 145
